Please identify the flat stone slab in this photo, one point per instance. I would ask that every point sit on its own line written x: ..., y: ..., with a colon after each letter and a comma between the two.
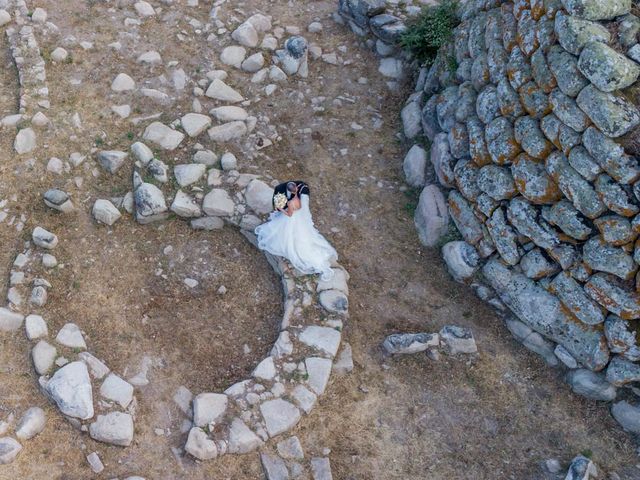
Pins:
x: 10, y: 321
x: 279, y: 416
x: 325, y: 339
x: 163, y: 136
x: 209, y: 408
x: 118, y: 390
x: 115, y: 428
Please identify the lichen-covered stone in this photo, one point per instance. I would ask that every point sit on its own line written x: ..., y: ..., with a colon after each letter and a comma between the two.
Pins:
x: 628, y: 30
x: 573, y: 296
x: 518, y: 69
x: 461, y: 41
x: 584, y: 163
x: 610, y: 156
x: 502, y: 144
x: 574, y: 33
x: 477, y: 145
x: 530, y: 137
x: 610, y: 112
x: 459, y: 141
x: 509, y: 31
x: 462, y: 214
x: 565, y: 254
x: 533, y: 181
x: 564, y: 67
x: 476, y: 34
x: 597, y: 9
x: 497, y: 59
x: 615, y: 230
x: 442, y: 160
x: 446, y: 105
x: 614, y: 296
x: 566, y: 109
x: 508, y: 100
x: 542, y: 311
x: 524, y: 217
x: 487, y: 106
x: 621, y: 372
x: 536, y: 265
x: 480, y: 71
x: 493, y: 28
x: 614, y: 196
x: 466, y: 173
x: 466, y: 106
x: 520, y: 7
x: 594, y: 386
x: 550, y: 126
x: 486, y: 205
x: 573, y: 186
x: 565, y: 216
x: 526, y: 36
x: 541, y: 72
x: 430, y: 124
x: 463, y: 72
x: 546, y: 34
x: 534, y: 100
x: 603, y: 257
x: 504, y: 237
x: 607, y: 69
x: 496, y: 182
x: 620, y: 337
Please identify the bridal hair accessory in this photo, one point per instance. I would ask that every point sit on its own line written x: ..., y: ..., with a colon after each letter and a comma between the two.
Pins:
x: 280, y: 200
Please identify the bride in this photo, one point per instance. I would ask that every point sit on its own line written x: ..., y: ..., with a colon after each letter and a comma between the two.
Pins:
x: 290, y: 232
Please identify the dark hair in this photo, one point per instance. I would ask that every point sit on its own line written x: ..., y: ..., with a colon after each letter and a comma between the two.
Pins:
x: 291, y: 186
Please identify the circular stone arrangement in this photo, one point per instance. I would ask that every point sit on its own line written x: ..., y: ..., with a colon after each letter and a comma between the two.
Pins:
x: 283, y: 386
x: 533, y: 138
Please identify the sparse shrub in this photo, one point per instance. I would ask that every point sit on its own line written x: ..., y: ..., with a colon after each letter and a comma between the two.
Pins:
x: 430, y: 30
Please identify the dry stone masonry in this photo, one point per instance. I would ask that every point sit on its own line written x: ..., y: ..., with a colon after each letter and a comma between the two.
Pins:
x: 532, y: 114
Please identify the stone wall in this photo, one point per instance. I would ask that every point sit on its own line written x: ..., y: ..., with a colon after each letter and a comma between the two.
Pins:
x: 534, y: 130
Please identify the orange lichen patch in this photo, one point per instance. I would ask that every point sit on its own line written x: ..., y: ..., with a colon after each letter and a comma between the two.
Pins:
x: 612, y: 304
x: 537, y: 9
x: 567, y: 239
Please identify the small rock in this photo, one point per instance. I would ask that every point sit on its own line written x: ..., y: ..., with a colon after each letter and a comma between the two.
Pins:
x: 44, y: 239
x: 31, y: 423
x: 105, y: 212
x: 407, y: 343
x: 95, y: 463
x: 9, y: 450
x: 458, y: 340
x: 116, y: 389
x: 123, y: 83
x: 71, y: 336
x: 115, y: 428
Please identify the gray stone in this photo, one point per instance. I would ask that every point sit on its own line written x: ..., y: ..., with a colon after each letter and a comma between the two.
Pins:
x: 227, y: 132
x: 615, y: 197
x: 321, y: 469
x: 319, y: 370
x: 573, y: 186
x: 70, y: 388
x: 44, y: 239
x: 627, y: 415
x: 524, y: 217
x: 574, y: 33
x: 477, y: 144
x: 566, y: 109
x: 189, y: 173
x: 528, y: 134
x: 304, y: 398
x: 334, y: 301
x: 195, y: 123
x: 241, y: 438
x: 620, y: 338
x: 621, y: 372
x: 442, y: 160
x: 414, y: 165
x: 597, y: 10
x: 259, y: 197
x: 541, y: 72
x: 407, y: 343
x: 150, y: 204
x: 279, y: 416
x: 43, y: 355
x: 457, y: 340
x: 615, y: 230
x: 591, y: 385
x: 209, y: 408
x: 564, y: 67
x: 116, y: 389
x: 35, y: 327
x: 9, y: 450
x: 533, y: 182
x: 462, y: 260
x: 290, y: 449
x: 25, y: 141
x: 536, y: 265
x: 603, y: 257
x: 344, y: 361
x: 325, y: 339
x: 612, y: 295
x: 233, y: 55
x: 411, y: 116
x: 581, y: 468
x: 501, y: 142
x: 105, y: 212
x: 607, y: 69
x: 184, y: 205
x: 115, y: 428
x: 487, y: 104
x: 95, y: 463
x: 572, y: 295
x: 10, y: 321
x: 612, y: 113
x: 464, y: 218
x: 542, y: 311
x: 71, y: 336
x: 163, y: 136
x: 446, y: 105
x: 584, y: 163
x: 31, y: 424
x: 466, y: 174
x: 565, y: 357
x: 112, y: 160
x: 96, y: 367
x: 611, y: 156
x: 458, y: 141
x: 274, y: 467
x: 58, y: 200
x: 565, y: 216
x: 518, y: 69
x: 207, y: 223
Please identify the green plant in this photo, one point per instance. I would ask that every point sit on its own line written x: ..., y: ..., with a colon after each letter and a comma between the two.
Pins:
x: 431, y: 29
x: 412, y: 195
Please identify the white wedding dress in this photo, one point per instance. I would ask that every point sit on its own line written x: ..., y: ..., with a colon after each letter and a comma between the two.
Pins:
x: 297, y: 239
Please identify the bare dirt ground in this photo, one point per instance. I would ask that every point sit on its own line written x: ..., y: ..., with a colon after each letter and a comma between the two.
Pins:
x: 494, y: 416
